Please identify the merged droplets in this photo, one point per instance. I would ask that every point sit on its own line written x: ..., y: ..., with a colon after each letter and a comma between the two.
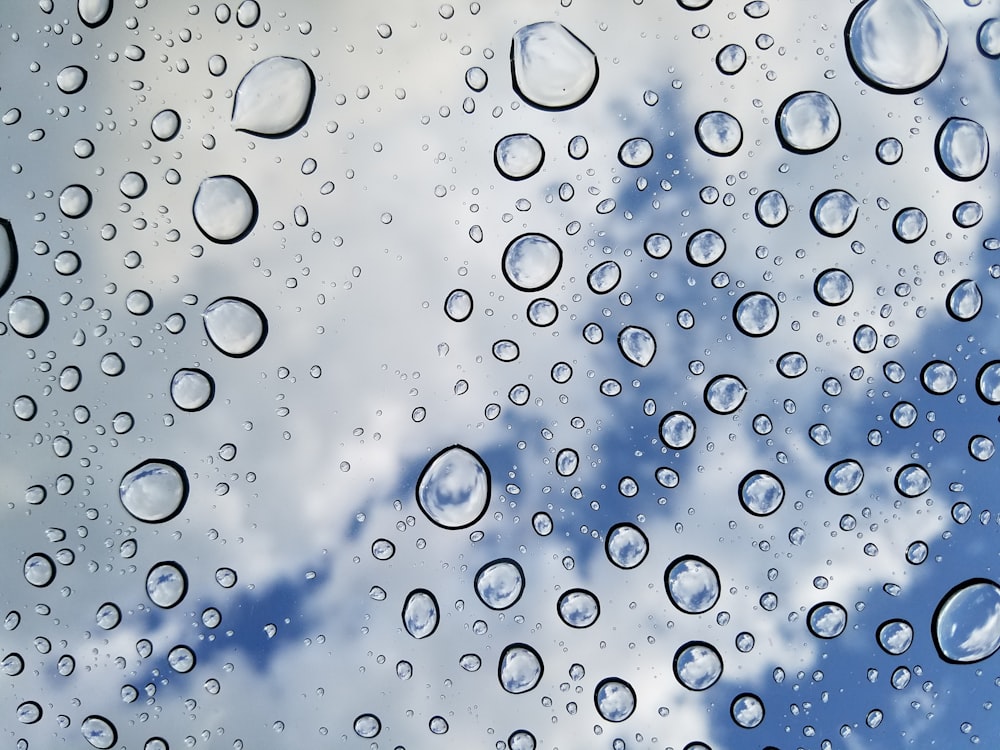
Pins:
x: 420, y: 613
x: 827, y: 620
x: 897, y: 46
x: 697, y: 665
x: 962, y: 148
x: 224, y: 208
x: 191, y: 389
x: 692, y: 584
x: 615, y: 699
x: 551, y: 68
x: 965, y: 627
x: 236, y: 327
x: 518, y: 156
x: 154, y: 491
x: 166, y: 584
x: 578, y: 608
x: 834, y: 212
x: 725, y: 394
x: 499, y: 584
x: 274, y: 97
x: 808, y: 122
x: 756, y: 314
x: 454, y: 488
x: 626, y: 545
x: 531, y: 262
x: 761, y: 493
x: 719, y: 133
x: 637, y: 345
x: 520, y: 668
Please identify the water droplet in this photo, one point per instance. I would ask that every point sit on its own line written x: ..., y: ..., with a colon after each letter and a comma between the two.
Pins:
x: 889, y: 150
x: 635, y: 152
x: 166, y: 584
x: 420, y: 613
x: 962, y: 148
x: 761, y: 493
x: 981, y: 447
x: 74, y: 201
x: 626, y: 545
x: 792, y: 364
x: 731, y: 59
x: 771, y: 208
x: 604, y: 277
x: 520, y: 668
x: 938, y: 377
x: 367, y: 726
x: 165, y: 125
x: 705, y: 247
x: 827, y: 620
x: 522, y: 739
x: 29, y: 712
x: 725, y: 394
x: 154, y: 491
x: 108, y: 616
x: 909, y: 225
x: 637, y: 345
x: 71, y: 79
x: 916, y: 553
x: 834, y: 213
x: 454, y: 488
x: 500, y: 583
x: 225, y: 577
x: 615, y: 699
x: 94, y: 12
x: 844, y: 477
x: 274, y: 97
x: 833, y: 287
x: 756, y: 314
x: 192, y: 389
x: 551, y: 67
x: 697, y: 665
x: 578, y: 608
x: 966, y: 623
x: 248, y: 13
x: 747, y: 710
x: 677, y: 430
x: 224, y: 208
x: 28, y: 316
x: 968, y: 214
x: 894, y: 636
x: 12, y: 664
x: 988, y: 382
x: 719, y: 133
x: 458, y: 305
x: 657, y: 245
x: 692, y: 584
x: 518, y: 156
x: 807, y: 122
x: 181, y: 659
x: 39, y: 570
x: 912, y: 480
x: 235, y: 326
x: 531, y: 262
x: 897, y: 46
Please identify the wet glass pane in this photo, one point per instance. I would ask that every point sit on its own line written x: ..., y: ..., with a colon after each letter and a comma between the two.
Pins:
x: 502, y: 375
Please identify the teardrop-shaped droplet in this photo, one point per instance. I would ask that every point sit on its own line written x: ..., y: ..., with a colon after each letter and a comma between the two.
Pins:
x: 454, y: 488
x: 274, y: 97
x: 965, y: 300
x: 966, y: 624
x: 235, y: 326
x: 225, y: 209
x: 420, y: 613
x: 551, y: 67
x: 637, y: 345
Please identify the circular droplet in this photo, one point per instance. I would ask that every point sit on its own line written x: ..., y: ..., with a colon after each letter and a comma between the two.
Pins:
x: 719, y: 133
x: 981, y: 447
x: 604, y: 277
x: 834, y: 212
x: 454, y: 488
x: 962, y: 148
x: 39, y: 570
x: 807, y: 122
x: 420, y: 613
x: 894, y: 636
x: 706, y: 247
x: 771, y: 208
x: 192, y: 389
x: 225, y: 209
x: 520, y: 668
x: 747, y: 710
x: 500, y: 583
x: 165, y: 125
x: 692, y: 584
x: 912, y: 480
x: 166, y: 584
x: 756, y: 314
x: 74, y: 201
x: 99, y: 732
x: 897, y: 46
x: 458, y: 305
x: 909, y: 225
x: 25, y: 408
x: 470, y: 662
x: 28, y: 316
x: 889, y: 150
x: 966, y: 624
x: 761, y: 493
x: 988, y: 382
x: 154, y: 491
x: 522, y: 739
x: 792, y: 364
x: 181, y: 659
x: 731, y: 59
x: 550, y: 67
x: 833, y: 287
x: 615, y: 699
x: 827, y: 620
x: 132, y: 185
x: 938, y: 377
x: 697, y: 665
x: 367, y: 726
x: 967, y: 214
x: 531, y: 262
x: 226, y: 577
x: 12, y: 664
x: 657, y: 245
x: 518, y: 156
x: 844, y: 477
x: 637, y: 345
x: 8, y: 255
x: 108, y: 616
x: 578, y: 608
x: 626, y: 545
x: 542, y: 312
x: 274, y: 98
x: 71, y: 79
x: 635, y: 152
x: 677, y: 430
x: 236, y: 327
x: 725, y: 394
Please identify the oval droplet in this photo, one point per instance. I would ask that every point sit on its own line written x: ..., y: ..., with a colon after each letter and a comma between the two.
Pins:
x: 578, y: 608
x: 192, y: 389
x: 719, y: 133
x: 8, y: 255
x: 725, y: 394
x: 225, y: 209
x: 420, y: 613
x: 761, y: 493
x: 604, y: 277
x: 965, y: 626
x: 692, y: 584
x: 154, y: 491
x: 771, y: 208
x: 274, y: 98
x: 834, y: 212
x: 912, y: 480
x: 499, y: 584
x: 94, y: 12
x: 962, y: 148
x: 28, y: 316
x: 367, y: 726
x: 165, y: 124
x: 635, y: 152
x: 518, y: 156
x: 453, y: 490
x: 827, y: 620
x: 235, y: 326
x: 731, y: 59
x: 626, y: 546
x: 677, y: 430
x: 988, y: 382
x: 615, y: 699
x: 531, y: 262
x: 520, y: 668
x: 706, y: 247
x: 71, y: 79
x: 166, y: 584
x: 807, y: 122
x: 551, y: 68
x: 637, y: 345
x: 697, y: 665
x: 894, y: 636
x: 844, y: 477
x: 99, y: 732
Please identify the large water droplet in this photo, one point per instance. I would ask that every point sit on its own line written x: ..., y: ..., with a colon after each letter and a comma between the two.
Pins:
x: 454, y: 488
x: 807, y: 122
x: 154, y: 491
x: 192, y: 389
x: 522, y: 739
x: 697, y: 665
x: 520, y: 668
x: 166, y: 584
x: 235, y: 326
x: 827, y: 620
x: 626, y: 545
x: 94, y: 12
x: 894, y: 636
x: 71, y: 79
x: 518, y: 156
x: 962, y: 148
x: 8, y: 255
x: 420, y: 613
x: 500, y: 583
x: 99, y: 732
x: 719, y: 133
x: 39, y: 570
x: 224, y: 208
x: 458, y: 305
x: 677, y: 430
x: 896, y: 45
x: 771, y: 208
x: 28, y: 316
x: 74, y: 201
x: 909, y: 225
x: 761, y: 493
x: 833, y: 287
x: 615, y: 699
x: 578, y: 608
x: 844, y: 477
x: 165, y: 124
x: 966, y: 624
x: 912, y: 480
x: 706, y: 247
x: 637, y: 345
x: 938, y: 377
x: 274, y: 97
x: 834, y: 212
x: 747, y: 710
x: 988, y: 382
x: 725, y: 394
x: 692, y: 584
x: 551, y: 68
x: 635, y: 152
x: 367, y: 726
x: 731, y: 59
x: 531, y: 262
x: 756, y: 314
x: 604, y: 277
